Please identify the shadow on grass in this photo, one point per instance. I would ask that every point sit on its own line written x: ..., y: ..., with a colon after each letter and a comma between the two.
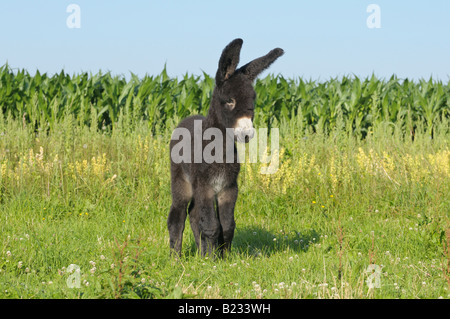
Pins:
x: 255, y: 241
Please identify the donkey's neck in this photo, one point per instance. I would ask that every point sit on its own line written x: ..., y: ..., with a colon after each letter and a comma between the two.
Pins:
x: 214, y: 117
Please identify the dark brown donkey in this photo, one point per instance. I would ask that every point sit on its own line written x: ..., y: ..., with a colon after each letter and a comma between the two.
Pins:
x: 206, y: 187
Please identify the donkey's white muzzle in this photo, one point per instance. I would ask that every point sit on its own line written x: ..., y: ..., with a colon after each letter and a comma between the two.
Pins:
x: 244, y: 131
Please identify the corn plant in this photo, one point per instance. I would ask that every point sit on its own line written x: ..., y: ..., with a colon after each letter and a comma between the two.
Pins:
x: 104, y: 101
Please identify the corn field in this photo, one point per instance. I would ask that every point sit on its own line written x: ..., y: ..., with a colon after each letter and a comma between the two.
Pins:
x: 105, y: 101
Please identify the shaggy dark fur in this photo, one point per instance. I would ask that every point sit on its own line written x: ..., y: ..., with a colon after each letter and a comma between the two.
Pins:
x: 208, y: 191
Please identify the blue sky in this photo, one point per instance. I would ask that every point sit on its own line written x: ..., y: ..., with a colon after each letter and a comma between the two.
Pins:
x: 321, y: 38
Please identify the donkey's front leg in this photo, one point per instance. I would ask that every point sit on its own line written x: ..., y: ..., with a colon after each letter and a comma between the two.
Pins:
x: 204, y: 216
x: 226, y: 200
x: 181, y: 195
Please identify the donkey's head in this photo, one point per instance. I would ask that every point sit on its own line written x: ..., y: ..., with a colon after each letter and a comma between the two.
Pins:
x: 234, y: 96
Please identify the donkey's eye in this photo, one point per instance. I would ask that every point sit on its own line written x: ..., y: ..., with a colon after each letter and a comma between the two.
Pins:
x: 230, y: 103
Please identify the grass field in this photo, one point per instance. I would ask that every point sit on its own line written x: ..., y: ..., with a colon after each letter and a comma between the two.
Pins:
x: 355, y: 192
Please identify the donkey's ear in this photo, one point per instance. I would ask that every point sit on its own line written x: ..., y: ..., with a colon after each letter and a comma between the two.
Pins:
x: 254, y: 68
x: 228, y: 61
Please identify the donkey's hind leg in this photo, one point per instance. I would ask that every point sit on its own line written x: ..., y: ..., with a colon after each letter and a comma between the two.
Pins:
x: 194, y: 223
x: 181, y: 196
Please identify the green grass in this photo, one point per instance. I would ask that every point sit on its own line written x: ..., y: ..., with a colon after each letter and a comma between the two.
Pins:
x: 286, y: 244
x: 72, y: 192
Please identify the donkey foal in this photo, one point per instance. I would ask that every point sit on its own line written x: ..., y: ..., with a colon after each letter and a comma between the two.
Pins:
x: 207, y: 189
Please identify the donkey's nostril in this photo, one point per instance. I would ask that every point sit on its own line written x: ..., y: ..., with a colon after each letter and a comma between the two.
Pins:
x: 244, y: 136
x: 244, y: 123
x: 244, y: 130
